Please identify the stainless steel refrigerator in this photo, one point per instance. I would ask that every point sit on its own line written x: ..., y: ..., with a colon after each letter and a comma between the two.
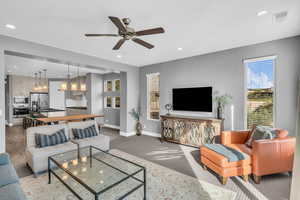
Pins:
x: 39, y: 101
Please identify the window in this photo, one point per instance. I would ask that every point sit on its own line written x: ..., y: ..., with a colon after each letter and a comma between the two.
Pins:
x: 108, y: 86
x: 117, y: 85
x: 153, y: 94
x: 260, y: 91
x: 108, y: 102
x: 117, y: 102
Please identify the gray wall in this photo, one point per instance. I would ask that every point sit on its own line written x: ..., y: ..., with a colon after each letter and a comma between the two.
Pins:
x: 54, y: 54
x: 95, y: 94
x: 130, y: 88
x: 224, y: 71
x: 112, y: 115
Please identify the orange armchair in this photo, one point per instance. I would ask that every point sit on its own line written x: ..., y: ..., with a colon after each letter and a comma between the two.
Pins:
x: 268, y: 156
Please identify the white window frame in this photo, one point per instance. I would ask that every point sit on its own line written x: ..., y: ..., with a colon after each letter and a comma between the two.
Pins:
x: 114, y: 102
x: 148, y: 96
x: 245, y: 62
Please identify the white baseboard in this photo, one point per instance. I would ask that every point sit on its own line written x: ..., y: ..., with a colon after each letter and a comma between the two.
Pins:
x: 152, y: 134
x: 111, y: 126
x: 148, y: 133
x: 126, y: 134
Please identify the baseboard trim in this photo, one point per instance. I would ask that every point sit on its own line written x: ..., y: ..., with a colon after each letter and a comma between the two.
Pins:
x: 152, y: 134
x: 111, y: 126
x: 126, y: 134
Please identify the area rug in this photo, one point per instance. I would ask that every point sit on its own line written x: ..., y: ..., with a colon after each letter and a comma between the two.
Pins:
x: 162, y: 184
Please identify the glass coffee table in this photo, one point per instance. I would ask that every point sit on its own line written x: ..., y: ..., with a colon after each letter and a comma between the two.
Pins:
x: 90, y: 173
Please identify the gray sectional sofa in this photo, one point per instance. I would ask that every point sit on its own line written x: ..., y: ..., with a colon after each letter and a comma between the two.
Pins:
x: 10, y: 188
x: 37, y: 158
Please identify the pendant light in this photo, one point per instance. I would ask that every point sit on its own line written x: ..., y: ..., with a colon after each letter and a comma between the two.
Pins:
x: 45, y: 86
x: 66, y: 84
x: 35, y: 88
x: 82, y: 86
x: 39, y: 87
x: 74, y: 85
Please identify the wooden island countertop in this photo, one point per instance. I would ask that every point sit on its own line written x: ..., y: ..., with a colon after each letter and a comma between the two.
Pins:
x: 68, y: 118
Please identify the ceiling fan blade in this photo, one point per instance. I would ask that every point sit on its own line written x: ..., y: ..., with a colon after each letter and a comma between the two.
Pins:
x: 96, y: 35
x: 118, y: 23
x: 119, y: 44
x: 150, y: 31
x: 143, y: 43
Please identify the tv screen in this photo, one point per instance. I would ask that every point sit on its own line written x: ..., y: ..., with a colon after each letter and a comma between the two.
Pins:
x: 198, y: 99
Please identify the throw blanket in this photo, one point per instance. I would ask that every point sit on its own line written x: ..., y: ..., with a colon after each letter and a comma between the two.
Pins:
x: 231, y: 154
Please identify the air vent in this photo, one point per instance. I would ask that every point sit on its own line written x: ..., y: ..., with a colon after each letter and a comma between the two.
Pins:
x: 280, y: 16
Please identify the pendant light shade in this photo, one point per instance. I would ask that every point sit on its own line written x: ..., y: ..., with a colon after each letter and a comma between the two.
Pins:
x: 39, y: 87
x: 45, y: 86
x: 66, y: 85
x: 35, y: 87
x: 83, y: 87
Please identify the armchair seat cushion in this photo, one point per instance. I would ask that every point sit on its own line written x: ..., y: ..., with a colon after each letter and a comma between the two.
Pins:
x: 7, y: 175
x: 241, y: 147
x: 12, y: 192
x: 37, y: 158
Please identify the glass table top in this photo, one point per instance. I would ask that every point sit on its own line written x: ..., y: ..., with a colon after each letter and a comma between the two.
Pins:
x: 99, y: 173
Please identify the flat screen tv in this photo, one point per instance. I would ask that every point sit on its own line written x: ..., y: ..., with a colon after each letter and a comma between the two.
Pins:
x: 198, y: 99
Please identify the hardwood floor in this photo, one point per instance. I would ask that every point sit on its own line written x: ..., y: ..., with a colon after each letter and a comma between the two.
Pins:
x: 15, y: 146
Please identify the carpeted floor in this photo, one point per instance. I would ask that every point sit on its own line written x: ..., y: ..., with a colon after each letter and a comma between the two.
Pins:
x: 177, y: 157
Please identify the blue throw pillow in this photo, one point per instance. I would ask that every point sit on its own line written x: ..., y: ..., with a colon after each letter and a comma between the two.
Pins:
x: 84, y: 133
x: 56, y: 138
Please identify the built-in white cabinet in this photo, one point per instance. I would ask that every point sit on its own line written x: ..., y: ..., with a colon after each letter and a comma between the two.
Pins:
x: 56, y: 96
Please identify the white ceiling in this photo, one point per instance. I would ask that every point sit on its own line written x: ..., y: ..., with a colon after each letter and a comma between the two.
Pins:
x: 197, y: 26
x: 15, y: 65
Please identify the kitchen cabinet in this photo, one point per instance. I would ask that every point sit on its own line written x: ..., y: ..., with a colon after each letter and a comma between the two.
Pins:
x: 76, y: 110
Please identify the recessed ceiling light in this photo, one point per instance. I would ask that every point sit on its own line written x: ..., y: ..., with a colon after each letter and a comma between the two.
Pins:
x: 10, y: 26
x: 261, y: 13
x: 119, y: 56
x: 15, y: 67
x: 179, y: 48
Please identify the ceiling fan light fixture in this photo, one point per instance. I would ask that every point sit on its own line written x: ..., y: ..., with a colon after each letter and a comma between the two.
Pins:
x: 127, y: 33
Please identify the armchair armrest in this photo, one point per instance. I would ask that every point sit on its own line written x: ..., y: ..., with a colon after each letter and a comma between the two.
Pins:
x: 234, y: 137
x: 4, y: 159
x: 273, y: 156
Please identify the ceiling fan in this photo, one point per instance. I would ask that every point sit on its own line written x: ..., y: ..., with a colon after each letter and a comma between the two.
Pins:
x: 128, y: 33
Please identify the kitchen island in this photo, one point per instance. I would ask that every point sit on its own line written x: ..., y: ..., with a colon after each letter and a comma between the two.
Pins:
x: 54, y: 116
x: 69, y: 118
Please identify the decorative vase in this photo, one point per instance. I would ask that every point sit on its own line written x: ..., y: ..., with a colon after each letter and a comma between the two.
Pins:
x: 138, y: 128
x: 168, y: 107
x: 220, y: 112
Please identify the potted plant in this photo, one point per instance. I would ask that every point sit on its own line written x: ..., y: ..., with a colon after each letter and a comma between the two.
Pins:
x: 136, y: 114
x: 222, y: 101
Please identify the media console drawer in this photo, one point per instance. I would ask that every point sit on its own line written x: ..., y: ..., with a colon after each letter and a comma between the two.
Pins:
x: 192, y: 131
